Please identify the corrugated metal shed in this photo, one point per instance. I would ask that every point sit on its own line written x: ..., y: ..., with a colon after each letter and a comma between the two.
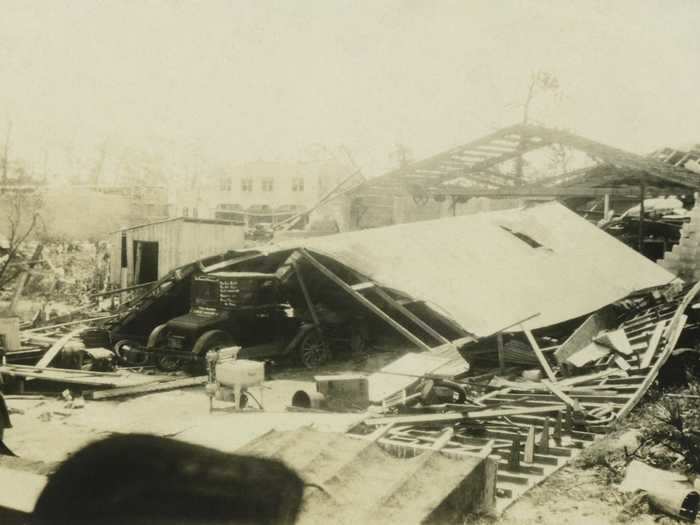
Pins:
x: 490, y: 270
x: 176, y: 242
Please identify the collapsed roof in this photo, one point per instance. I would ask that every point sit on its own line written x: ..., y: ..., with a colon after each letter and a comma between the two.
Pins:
x: 490, y: 271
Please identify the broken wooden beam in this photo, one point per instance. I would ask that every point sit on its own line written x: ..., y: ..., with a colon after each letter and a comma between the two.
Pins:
x: 457, y: 416
x: 56, y: 348
x: 150, y: 388
x: 540, y: 356
x: 365, y: 302
x: 571, y: 402
x: 653, y: 345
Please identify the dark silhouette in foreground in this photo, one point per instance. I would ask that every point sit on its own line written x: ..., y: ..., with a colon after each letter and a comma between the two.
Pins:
x: 141, y: 479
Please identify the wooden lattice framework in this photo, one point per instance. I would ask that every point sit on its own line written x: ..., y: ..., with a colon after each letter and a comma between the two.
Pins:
x: 471, y: 170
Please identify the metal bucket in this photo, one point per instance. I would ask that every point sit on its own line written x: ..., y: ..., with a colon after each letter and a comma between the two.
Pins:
x: 304, y: 399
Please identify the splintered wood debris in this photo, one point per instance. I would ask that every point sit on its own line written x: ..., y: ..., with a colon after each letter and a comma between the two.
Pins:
x: 534, y: 427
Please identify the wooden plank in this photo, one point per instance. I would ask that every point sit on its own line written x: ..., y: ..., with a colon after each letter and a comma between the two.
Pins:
x: 411, y: 316
x: 69, y: 323
x: 60, y: 377
x: 588, y: 354
x: 495, y: 412
x: 30, y: 368
x: 583, y: 335
x: 365, y: 302
x: 615, y: 340
x: 540, y: 356
x: 676, y: 327
x: 495, y: 393
x: 588, y: 378
x: 309, y: 303
x: 622, y: 363
x: 457, y: 416
x: 450, y: 417
x: 575, y: 405
x: 52, y: 352
x: 653, y: 345
x: 403, y: 373
x: 146, y: 389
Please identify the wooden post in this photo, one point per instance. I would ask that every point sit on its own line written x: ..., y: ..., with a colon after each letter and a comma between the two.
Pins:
x: 124, y: 265
x: 544, y: 437
x: 514, y: 460
x: 641, y: 217
x: 557, y: 429
x: 606, y: 206
x: 365, y: 302
x: 9, y: 333
x: 501, y: 354
x: 307, y: 296
x: 569, y: 420
x: 529, y: 455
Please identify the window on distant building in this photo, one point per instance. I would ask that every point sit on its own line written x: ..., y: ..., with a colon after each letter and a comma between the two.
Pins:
x: 247, y: 184
x: 298, y: 184
x: 225, y: 184
x: 267, y: 184
x: 195, y: 212
x: 185, y: 212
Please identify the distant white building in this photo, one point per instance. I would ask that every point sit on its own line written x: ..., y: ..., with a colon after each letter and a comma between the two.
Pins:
x: 259, y: 192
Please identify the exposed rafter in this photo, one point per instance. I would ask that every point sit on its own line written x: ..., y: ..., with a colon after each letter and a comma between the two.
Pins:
x: 476, y: 164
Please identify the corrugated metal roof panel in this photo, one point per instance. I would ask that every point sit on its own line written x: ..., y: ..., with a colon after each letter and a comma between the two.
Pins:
x: 490, y: 270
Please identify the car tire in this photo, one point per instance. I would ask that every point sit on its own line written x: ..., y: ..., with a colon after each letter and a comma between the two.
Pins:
x: 313, y: 350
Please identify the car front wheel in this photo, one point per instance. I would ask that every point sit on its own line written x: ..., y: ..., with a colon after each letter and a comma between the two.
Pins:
x: 313, y: 350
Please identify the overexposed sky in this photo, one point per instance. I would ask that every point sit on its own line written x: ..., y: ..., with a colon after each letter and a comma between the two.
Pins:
x: 241, y: 80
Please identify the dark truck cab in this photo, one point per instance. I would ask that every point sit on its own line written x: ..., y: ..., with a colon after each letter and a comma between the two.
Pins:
x: 245, y: 309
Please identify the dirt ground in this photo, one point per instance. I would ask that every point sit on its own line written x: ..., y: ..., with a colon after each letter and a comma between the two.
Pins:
x: 49, y: 431
x: 573, y: 496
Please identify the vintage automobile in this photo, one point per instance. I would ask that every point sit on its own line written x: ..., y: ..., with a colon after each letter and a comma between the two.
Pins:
x: 249, y: 310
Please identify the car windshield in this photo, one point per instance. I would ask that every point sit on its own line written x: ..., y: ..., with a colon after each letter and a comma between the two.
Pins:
x: 205, y: 292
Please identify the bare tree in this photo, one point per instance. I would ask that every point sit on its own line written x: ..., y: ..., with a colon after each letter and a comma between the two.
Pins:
x: 540, y: 82
x: 22, y: 215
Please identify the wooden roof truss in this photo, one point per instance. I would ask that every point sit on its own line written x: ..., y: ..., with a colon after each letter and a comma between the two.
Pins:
x: 473, y: 169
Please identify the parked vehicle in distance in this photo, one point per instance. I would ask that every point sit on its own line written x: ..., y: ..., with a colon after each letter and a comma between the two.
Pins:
x: 249, y: 310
